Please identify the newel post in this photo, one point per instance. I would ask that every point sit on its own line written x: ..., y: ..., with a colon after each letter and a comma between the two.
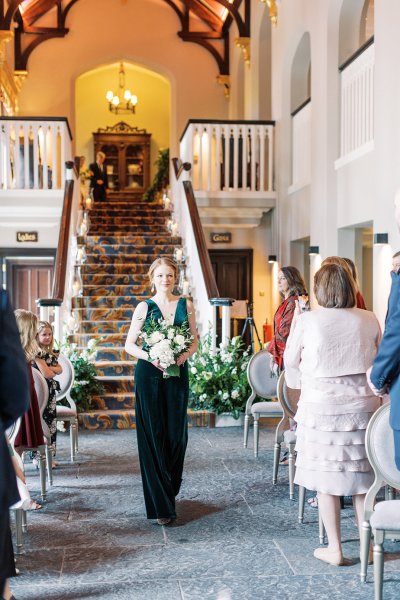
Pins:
x: 225, y: 304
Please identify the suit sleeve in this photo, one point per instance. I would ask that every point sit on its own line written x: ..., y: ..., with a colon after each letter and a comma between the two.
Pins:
x: 386, y: 365
x: 14, y: 389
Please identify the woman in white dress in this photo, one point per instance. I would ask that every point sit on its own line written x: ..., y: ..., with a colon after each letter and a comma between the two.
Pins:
x: 331, y: 349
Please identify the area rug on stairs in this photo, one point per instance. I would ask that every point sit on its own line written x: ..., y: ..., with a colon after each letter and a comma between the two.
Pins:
x: 126, y: 234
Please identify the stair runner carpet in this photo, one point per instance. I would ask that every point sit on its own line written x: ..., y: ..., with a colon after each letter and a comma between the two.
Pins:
x: 126, y: 234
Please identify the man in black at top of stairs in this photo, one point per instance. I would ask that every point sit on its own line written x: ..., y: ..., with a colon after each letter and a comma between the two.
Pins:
x: 98, y: 179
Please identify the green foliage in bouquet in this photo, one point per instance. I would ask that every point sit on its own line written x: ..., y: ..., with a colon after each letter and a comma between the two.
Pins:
x: 85, y: 385
x: 161, y: 178
x: 218, y: 382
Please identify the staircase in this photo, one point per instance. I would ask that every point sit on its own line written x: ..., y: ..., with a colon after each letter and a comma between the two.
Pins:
x: 126, y: 235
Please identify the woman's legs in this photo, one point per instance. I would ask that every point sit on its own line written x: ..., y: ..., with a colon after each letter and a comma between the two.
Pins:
x: 329, y: 507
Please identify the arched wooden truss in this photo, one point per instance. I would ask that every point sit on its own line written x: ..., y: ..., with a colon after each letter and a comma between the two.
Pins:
x: 203, y: 22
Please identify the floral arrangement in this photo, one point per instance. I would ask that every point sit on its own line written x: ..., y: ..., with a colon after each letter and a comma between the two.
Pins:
x: 166, y: 342
x: 218, y: 382
x: 85, y: 174
x: 161, y: 178
x: 85, y: 385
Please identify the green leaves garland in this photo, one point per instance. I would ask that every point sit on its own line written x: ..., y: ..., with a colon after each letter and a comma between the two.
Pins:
x: 218, y: 382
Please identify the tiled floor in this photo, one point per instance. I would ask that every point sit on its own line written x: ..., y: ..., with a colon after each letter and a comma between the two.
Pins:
x: 236, y: 536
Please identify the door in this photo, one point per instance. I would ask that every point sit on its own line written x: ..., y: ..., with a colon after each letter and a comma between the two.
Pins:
x: 28, y: 280
x: 233, y: 271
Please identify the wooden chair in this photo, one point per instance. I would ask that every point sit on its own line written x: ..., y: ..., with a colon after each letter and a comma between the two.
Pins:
x: 68, y: 413
x: 384, y: 519
x: 264, y: 385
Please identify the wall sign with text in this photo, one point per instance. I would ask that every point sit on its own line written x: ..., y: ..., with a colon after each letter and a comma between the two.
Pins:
x: 221, y: 238
x: 27, y: 236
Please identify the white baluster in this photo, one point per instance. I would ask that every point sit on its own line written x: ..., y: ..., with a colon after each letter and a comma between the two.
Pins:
x: 17, y: 155
x: 2, y: 159
x: 262, y: 135
x: 209, y: 157
x: 253, y: 158
x: 214, y: 329
x: 227, y: 135
x: 201, y: 183
x: 8, y: 128
x: 226, y: 325
x: 26, y: 155
x: 63, y: 145
x: 45, y: 161
x: 35, y: 129
x: 270, y: 157
x: 245, y: 154
x: 235, y: 157
x: 54, y: 162
x: 218, y: 161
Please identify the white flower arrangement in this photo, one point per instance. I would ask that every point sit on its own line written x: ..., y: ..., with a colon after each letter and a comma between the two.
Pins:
x: 166, y: 343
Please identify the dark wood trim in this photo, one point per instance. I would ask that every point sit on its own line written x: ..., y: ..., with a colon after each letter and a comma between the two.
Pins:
x: 208, y: 273
x: 223, y: 122
x: 180, y: 166
x: 12, y: 253
x: 357, y: 53
x: 60, y: 266
x: 40, y: 119
x: 302, y: 105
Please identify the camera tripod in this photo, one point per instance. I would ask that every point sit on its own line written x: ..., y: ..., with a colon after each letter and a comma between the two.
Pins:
x: 249, y: 322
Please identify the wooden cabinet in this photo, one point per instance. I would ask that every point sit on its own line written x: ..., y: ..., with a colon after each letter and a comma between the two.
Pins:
x: 127, y: 151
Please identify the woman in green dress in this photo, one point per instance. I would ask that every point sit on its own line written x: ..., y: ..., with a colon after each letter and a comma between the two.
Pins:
x: 161, y: 403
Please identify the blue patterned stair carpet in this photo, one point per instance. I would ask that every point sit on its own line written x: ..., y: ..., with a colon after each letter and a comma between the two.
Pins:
x: 126, y: 234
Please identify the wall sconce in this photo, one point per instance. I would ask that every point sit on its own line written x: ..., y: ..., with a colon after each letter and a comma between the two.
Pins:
x: 381, y: 238
x: 272, y: 259
x: 313, y: 250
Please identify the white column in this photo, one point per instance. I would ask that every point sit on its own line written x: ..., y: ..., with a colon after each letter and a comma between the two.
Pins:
x: 226, y: 325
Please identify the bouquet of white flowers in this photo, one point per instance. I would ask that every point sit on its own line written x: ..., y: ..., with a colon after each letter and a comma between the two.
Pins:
x: 166, y: 342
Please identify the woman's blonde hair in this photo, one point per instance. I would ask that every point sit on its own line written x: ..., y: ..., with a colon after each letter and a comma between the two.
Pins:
x: 163, y: 260
x: 338, y: 260
x: 45, y: 325
x: 334, y: 287
x: 27, y: 325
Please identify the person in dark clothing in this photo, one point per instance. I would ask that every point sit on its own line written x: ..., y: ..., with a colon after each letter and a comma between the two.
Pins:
x: 98, y: 179
x: 14, y: 401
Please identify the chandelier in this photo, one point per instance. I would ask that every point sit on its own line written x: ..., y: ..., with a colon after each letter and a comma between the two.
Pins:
x: 123, y: 101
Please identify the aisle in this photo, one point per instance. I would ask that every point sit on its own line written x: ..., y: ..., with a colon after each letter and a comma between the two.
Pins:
x: 236, y: 537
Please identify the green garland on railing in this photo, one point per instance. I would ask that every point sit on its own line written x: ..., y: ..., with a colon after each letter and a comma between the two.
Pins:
x: 161, y: 178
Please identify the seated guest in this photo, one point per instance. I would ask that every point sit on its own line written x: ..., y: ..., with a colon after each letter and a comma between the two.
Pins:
x: 332, y: 347
x: 14, y: 401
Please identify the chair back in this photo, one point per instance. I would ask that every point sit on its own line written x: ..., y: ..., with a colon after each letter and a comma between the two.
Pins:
x: 288, y: 397
x: 261, y: 380
x: 66, y: 378
x: 41, y: 388
x: 379, y: 445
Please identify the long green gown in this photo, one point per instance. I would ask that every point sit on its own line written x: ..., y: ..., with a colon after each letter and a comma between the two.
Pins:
x: 161, y: 426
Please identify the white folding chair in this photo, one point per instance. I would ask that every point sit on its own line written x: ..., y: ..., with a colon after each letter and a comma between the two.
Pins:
x: 67, y: 413
x: 45, y: 453
x: 263, y: 384
x: 20, y: 513
x: 384, y: 519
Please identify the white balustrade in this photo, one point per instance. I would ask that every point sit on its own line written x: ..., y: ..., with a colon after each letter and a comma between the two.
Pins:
x: 33, y: 153
x: 357, y: 103
x: 231, y: 156
x: 301, y: 147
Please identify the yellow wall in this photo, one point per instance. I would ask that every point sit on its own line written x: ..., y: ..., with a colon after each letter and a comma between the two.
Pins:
x: 91, y: 107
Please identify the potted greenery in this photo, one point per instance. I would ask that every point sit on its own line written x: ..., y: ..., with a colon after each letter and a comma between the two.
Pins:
x: 161, y: 178
x: 86, y: 384
x: 218, y: 381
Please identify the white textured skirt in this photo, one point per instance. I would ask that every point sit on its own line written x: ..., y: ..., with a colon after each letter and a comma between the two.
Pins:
x: 332, y: 416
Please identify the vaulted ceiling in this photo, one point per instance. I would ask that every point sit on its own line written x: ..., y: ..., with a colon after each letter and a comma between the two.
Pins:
x: 204, y: 22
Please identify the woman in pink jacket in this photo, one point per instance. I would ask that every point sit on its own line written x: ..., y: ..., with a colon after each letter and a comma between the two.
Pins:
x: 331, y: 349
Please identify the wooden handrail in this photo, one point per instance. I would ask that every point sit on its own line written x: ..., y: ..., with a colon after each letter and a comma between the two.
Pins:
x: 60, y: 269
x: 223, y: 122
x: 206, y: 266
x: 180, y: 166
x: 357, y: 53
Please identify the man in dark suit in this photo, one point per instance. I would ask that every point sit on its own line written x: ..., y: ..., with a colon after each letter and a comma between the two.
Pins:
x: 98, y: 179
x: 385, y: 374
x: 14, y: 402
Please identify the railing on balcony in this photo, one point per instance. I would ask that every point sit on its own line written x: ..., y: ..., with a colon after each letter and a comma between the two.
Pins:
x: 301, y: 146
x: 357, y: 103
x: 230, y: 156
x: 33, y: 152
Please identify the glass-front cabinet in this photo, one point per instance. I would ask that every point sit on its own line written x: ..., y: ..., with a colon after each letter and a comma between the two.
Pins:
x: 127, y: 151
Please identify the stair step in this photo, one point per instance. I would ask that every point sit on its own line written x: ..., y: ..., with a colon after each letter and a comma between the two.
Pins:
x: 102, y: 314
x: 117, y: 290
x: 128, y: 212
x: 112, y: 229
x: 114, y: 401
x: 123, y: 268
x: 125, y: 419
x: 133, y: 240
x: 142, y: 259
x: 115, y: 368
x: 132, y: 220
x: 129, y: 249
x: 112, y: 353
x: 105, y: 327
x: 115, y: 279
x: 106, y: 302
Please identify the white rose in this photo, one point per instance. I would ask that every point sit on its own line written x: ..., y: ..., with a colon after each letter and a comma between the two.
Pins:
x: 171, y: 334
x: 207, y: 375
x: 155, y: 337
x: 243, y: 367
x: 234, y: 371
x: 225, y: 396
x: 193, y: 370
x: 92, y: 343
x: 235, y: 394
x: 179, y: 340
x: 202, y: 361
